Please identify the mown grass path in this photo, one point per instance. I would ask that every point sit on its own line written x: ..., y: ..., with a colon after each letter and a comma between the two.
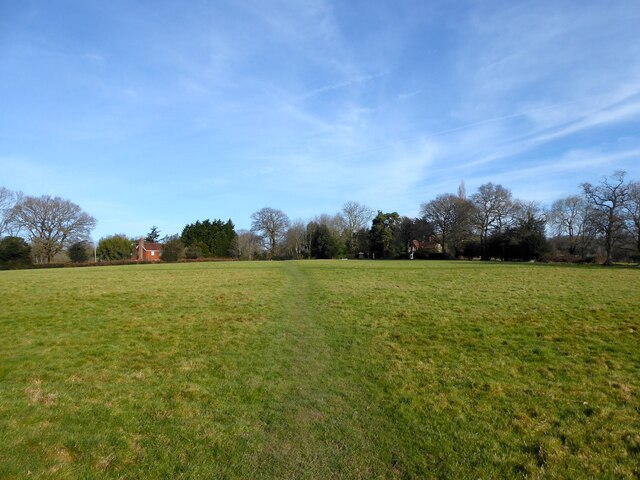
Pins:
x: 319, y: 416
x: 322, y: 369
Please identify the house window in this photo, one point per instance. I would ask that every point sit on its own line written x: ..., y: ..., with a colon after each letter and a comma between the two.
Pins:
x: 153, y: 253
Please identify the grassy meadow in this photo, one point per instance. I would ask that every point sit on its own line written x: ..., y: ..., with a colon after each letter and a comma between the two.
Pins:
x: 320, y: 369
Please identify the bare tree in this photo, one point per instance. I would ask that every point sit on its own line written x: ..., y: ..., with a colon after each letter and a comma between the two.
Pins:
x: 8, y: 200
x: 272, y: 225
x: 356, y: 217
x: 462, y: 190
x: 450, y: 215
x: 608, y: 199
x: 295, y: 240
x: 524, y: 209
x: 571, y: 218
x: 247, y: 245
x: 52, y: 223
x: 633, y: 212
x: 493, y: 211
x: 309, y: 232
x: 335, y: 223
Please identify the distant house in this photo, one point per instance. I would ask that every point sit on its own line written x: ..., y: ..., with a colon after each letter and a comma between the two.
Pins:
x: 148, y: 251
x: 428, y: 246
x: 431, y: 245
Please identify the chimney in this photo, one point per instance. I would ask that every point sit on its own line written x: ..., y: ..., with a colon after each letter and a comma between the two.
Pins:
x: 140, y: 255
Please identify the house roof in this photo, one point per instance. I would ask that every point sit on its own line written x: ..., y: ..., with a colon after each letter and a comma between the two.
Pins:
x: 151, y: 246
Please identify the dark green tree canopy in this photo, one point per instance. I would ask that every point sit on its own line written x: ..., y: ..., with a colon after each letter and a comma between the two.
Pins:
x: 78, y: 252
x: 324, y: 244
x: 153, y: 235
x: 14, y: 252
x: 382, y: 235
x: 210, y: 238
x: 523, y: 241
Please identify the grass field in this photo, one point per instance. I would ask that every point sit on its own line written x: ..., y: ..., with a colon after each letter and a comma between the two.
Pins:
x: 320, y: 369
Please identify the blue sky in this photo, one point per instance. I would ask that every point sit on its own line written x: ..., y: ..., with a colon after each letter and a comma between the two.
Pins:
x: 162, y: 113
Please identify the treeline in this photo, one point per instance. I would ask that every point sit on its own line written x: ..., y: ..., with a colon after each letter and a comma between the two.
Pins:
x: 206, y: 239
x: 39, y: 229
x: 46, y: 230
x: 600, y: 223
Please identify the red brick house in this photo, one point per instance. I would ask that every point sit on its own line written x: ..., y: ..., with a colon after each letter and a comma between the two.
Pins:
x: 428, y: 245
x: 147, y: 251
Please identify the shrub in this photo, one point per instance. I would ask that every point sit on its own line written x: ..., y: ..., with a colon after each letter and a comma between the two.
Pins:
x: 115, y: 247
x: 78, y: 252
x: 173, y: 250
x: 14, y: 252
x: 472, y: 250
x: 194, y: 251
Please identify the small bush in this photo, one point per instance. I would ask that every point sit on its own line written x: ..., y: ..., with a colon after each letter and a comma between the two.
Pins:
x: 78, y: 252
x: 194, y: 252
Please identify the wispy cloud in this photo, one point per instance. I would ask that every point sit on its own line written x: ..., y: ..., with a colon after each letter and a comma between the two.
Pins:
x: 568, y: 163
x: 406, y: 96
x: 339, y: 85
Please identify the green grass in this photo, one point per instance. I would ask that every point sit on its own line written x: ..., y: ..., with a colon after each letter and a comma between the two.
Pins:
x: 320, y: 369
